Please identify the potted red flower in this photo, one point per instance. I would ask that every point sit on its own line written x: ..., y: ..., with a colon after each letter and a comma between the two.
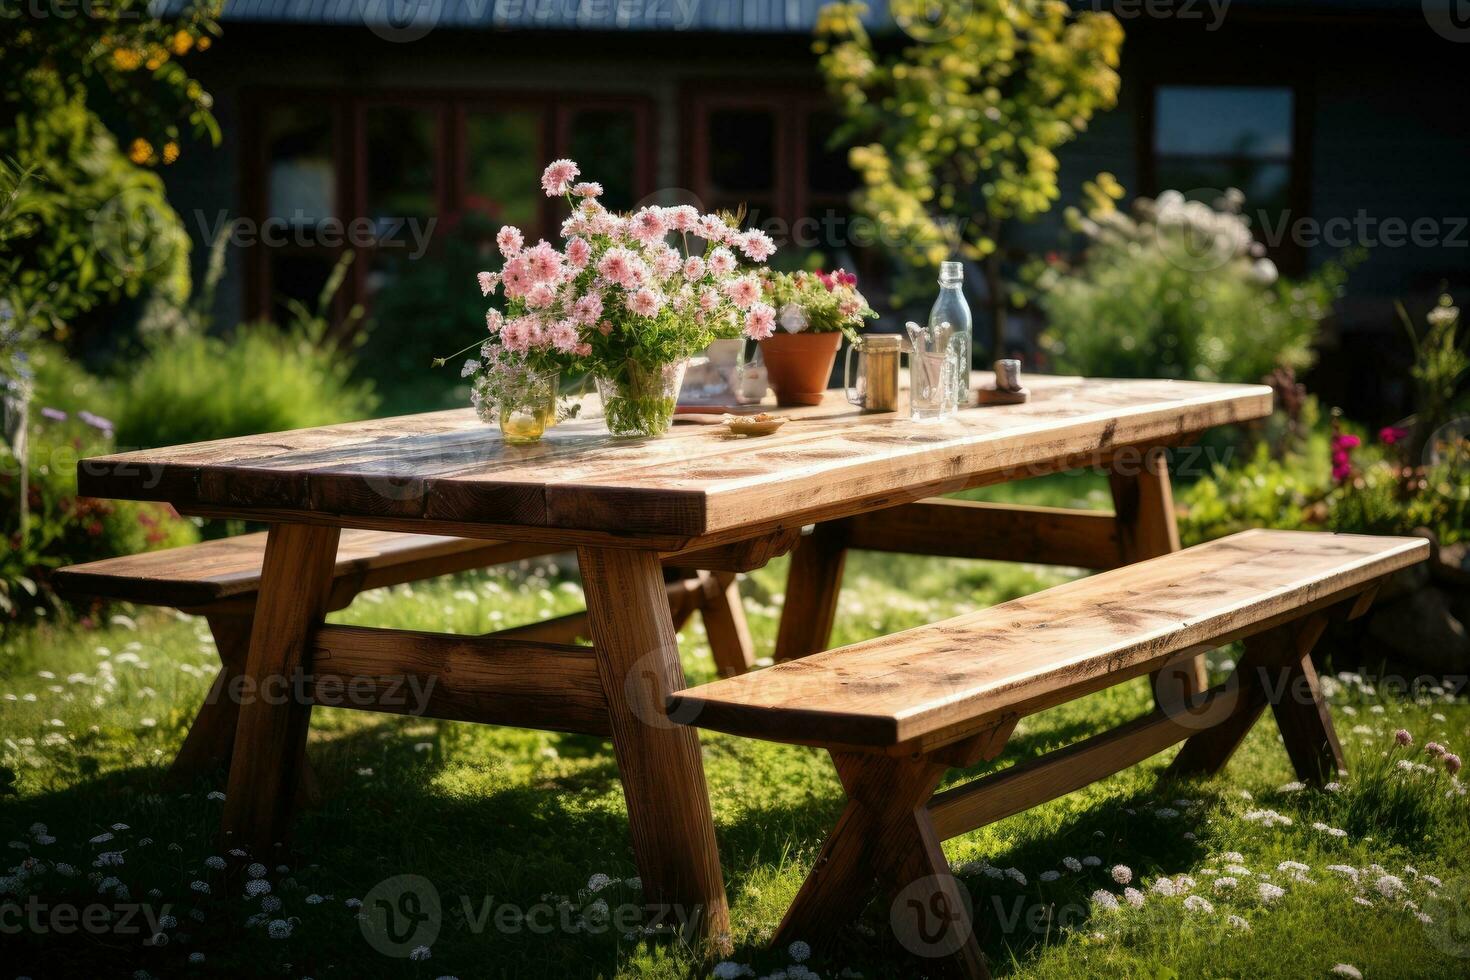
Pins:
x: 814, y: 311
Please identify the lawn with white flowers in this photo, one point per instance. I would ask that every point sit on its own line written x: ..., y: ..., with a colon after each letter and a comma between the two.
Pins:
x: 523, y: 834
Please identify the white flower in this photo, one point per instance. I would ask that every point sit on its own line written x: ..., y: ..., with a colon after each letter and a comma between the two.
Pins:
x: 108, y: 859
x: 419, y: 953
x: 799, y: 951
x: 256, y: 870
x: 1195, y: 903
x: 1344, y: 970
x: 202, y: 887
x: 1092, y: 862
x: 1225, y: 884
x: 314, y: 899
x: 1049, y: 875
x: 1236, y: 922
x: 281, y: 929
x: 270, y: 903
x: 214, y: 795
x: 598, y: 882
x: 214, y: 861
x: 729, y: 971
x: 1015, y: 875
x: 1232, y: 857
x: 1104, y: 900
x: 1071, y: 864
x: 256, y: 887
x: 353, y: 903
x: 1133, y: 897
x: 1163, y: 886
x: 1388, y: 885
x: 1292, y: 787
x: 1269, y: 892
x: 1122, y: 874
x: 101, y: 838
x: 1166, y: 813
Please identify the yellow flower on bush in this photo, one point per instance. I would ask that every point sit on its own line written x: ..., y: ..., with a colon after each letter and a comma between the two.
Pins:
x: 181, y: 43
x: 126, y: 59
x: 203, y: 43
x: 170, y: 152
x: 140, y: 151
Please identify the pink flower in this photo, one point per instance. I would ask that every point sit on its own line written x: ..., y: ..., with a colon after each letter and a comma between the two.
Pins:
x: 588, y: 308
x: 564, y: 336
x: 616, y: 265
x: 1342, y: 459
x: 510, y: 240
x: 516, y: 279
x: 722, y: 261
x: 605, y: 327
x: 760, y: 321
x: 587, y: 188
x: 712, y: 228
x: 540, y: 296
x: 582, y: 349
x: 681, y: 218
x: 694, y: 268
x: 1451, y: 763
x: 557, y: 178
x: 645, y: 302
x: 756, y: 245
x: 1391, y: 435
x: 578, y: 253
x: 494, y: 321
x: 648, y: 226
x: 543, y: 263
x: 743, y: 291
x: 1435, y: 749
x: 488, y: 282
x: 666, y: 261
x: 1403, y: 737
x: 708, y: 298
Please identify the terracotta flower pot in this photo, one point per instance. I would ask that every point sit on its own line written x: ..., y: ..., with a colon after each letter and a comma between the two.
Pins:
x: 799, y: 365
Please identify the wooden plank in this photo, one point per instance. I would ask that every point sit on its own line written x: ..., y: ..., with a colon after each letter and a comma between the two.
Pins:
x: 724, y: 623
x: 270, y: 738
x: 1045, y: 646
x: 212, y: 571
x: 491, y: 681
x: 450, y: 469
x: 1028, y: 784
x: 1000, y: 532
x: 813, y: 584
x: 659, y: 762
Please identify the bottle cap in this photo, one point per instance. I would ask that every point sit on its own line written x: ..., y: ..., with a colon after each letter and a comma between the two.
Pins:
x: 950, y: 272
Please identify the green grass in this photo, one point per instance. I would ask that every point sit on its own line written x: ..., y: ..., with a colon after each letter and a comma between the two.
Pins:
x: 525, y: 819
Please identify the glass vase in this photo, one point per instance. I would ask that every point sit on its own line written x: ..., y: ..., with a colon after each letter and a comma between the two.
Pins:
x: 527, y: 407
x: 638, y: 400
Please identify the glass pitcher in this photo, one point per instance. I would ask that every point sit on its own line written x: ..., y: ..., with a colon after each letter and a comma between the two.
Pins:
x: 875, y: 388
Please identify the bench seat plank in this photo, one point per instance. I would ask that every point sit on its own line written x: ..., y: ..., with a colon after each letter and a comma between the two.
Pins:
x: 1038, y: 650
x: 229, y: 568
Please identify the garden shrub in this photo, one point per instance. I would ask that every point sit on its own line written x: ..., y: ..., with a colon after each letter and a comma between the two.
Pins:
x: 258, y: 379
x: 1177, y: 290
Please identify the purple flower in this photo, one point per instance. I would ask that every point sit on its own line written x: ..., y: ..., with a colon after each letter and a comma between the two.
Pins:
x: 96, y: 421
x: 1403, y: 737
x: 54, y: 414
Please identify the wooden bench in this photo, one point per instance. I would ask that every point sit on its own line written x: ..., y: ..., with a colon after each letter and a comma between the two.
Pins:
x: 220, y: 580
x: 899, y: 711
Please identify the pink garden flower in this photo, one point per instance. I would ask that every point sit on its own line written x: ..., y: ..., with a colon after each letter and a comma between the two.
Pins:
x: 1435, y: 749
x: 588, y: 308
x: 743, y: 291
x: 694, y: 268
x: 712, y: 228
x: 509, y: 239
x: 540, y: 296
x: 557, y: 178
x: 494, y: 321
x: 1451, y: 763
x: 756, y: 245
x: 578, y: 252
x: 617, y: 265
x: 760, y: 321
x: 666, y: 261
x: 645, y: 302
x: 516, y: 279
x: 488, y: 282
x: 722, y: 261
x: 564, y: 336
x: 1343, y: 445
x: 648, y: 226
x: 1391, y: 435
x: 708, y: 299
x: 1403, y: 737
x: 682, y: 218
x: 587, y: 189
x: 543, y: 263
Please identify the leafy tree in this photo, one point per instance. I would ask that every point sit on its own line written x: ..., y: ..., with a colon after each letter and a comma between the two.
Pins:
x: 957, y: 131
x: 96, y: 225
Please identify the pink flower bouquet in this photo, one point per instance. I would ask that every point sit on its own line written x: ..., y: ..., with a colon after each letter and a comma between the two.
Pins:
x: 627, y: 297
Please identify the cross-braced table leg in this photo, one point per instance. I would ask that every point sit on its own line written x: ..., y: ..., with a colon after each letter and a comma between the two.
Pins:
x: 659, y: 761
x: 812, y: 588
x: 270, y: 736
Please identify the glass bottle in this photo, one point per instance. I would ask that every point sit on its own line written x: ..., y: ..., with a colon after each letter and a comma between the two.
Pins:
x: 950, y: 317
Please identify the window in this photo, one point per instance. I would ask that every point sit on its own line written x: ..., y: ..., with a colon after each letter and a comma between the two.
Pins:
x: 770, y: 152
x: 1208, y: 138
x: 325, y: 160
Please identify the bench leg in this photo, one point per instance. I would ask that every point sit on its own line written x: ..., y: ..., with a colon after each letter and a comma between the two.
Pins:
x: 659, y: 761
x: 724, y: 623
x: 1276, y: 670
x: 211, y: 737
x: 812, y: 587
x: 1143, y: 505
x: 885, y: 837
x: 270, y: 738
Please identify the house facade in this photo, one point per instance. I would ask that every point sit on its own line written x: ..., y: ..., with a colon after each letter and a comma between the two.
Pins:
x: 374, y: 126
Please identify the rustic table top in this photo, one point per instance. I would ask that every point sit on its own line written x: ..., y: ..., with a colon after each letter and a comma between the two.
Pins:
x: 447, y: 469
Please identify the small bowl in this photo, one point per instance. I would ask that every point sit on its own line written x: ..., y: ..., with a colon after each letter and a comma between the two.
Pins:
x: 754, y: 425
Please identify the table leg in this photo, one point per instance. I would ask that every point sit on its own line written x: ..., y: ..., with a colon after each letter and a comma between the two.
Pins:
x: 270, y: 736
x: 662, y: 772
x: 211, y: 738
x: 724, y: 623
x: 1143, y: 502
x: 812, y: 587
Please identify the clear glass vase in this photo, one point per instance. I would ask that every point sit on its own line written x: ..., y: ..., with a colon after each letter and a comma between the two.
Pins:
x: 639, y: 401
x: 528, y: 406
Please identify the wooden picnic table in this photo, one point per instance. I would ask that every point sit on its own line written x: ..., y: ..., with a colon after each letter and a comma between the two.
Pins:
x: 712, y: 501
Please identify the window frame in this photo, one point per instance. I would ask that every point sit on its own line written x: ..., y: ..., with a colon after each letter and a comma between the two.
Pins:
x: 348, y: 109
